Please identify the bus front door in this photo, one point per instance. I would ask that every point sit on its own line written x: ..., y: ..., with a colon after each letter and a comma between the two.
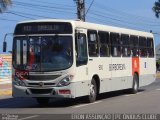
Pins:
x: 82, y: 87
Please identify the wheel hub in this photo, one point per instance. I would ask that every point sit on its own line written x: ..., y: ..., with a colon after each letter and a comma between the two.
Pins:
x: 92, y: 91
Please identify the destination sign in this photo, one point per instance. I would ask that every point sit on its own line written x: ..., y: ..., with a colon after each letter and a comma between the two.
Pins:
x: 43, y: 28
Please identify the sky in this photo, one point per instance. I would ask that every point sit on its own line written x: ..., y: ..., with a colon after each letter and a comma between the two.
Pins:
x: 132, y: 14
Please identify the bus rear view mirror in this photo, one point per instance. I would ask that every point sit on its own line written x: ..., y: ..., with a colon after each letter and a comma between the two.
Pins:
x: 5, y: 43
x: 4, y: 46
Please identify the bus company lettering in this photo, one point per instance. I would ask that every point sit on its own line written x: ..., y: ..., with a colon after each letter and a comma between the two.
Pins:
x: 115, y: 67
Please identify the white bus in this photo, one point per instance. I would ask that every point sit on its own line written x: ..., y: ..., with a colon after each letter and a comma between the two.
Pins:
x: 70, y: 59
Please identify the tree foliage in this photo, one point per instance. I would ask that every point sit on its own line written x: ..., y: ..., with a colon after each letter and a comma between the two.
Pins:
x: 156, y: 8
x: 4, y: 4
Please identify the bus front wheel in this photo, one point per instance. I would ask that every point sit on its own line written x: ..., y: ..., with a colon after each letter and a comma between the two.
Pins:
x: 93, y: 91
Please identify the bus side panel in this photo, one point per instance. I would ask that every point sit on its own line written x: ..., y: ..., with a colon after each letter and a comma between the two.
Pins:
x: 121, y: 73
x: 105, y: 74
x: 147, y: 71
x: 81, y: 88
x: 81, y: 83
x: 100, y: 66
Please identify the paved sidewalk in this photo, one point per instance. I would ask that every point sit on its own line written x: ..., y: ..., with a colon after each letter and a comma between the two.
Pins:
x: 158, y: 75
x: 5, y: 89
x: 5, y: 86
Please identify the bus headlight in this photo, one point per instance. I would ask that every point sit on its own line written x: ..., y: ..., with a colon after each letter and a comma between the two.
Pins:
x: 65, y: 81
x: 18, y: 82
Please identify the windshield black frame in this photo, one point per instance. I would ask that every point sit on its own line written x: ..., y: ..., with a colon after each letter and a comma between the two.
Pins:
x: 66, y: 42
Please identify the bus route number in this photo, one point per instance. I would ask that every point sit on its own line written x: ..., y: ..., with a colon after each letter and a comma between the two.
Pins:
x: 100, y: 67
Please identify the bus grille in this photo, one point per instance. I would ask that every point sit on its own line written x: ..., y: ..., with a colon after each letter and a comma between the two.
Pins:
x: 37, y: 84
x: 42, y: 77
x: 41, y: 91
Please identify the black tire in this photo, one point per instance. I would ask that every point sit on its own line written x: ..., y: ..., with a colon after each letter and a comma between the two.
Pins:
x: 93, y: 91
x: 135, y: 85
x: 42, y: 101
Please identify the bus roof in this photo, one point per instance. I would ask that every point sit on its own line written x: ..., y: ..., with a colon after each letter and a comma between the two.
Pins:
x: 87, y: 25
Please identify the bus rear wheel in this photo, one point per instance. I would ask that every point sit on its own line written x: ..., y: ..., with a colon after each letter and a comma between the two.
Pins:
x: 93, y: 91
x: 42, y: 101
x: 135, y: 85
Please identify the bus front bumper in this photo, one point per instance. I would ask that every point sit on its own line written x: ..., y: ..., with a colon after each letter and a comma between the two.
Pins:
x: 57, y: 92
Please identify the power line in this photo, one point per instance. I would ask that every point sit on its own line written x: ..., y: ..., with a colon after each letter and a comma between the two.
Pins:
x: 89, y: 7
x: 123, y: 23
x: 49, y: 3
x: 42, y: 13
x: 105, y: 15
x: 123, y: 14
x: 109, y: 22
x: 19, y: 15
x: 42, y: 6
x: 120, y: 18
x: 28, y: 14
x: 109, y: 13
x: 10, y: 20
x: 115, y: 19
x: 45, y: 8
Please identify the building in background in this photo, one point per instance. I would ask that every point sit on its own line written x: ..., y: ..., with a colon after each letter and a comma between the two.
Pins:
x: 158, y: 52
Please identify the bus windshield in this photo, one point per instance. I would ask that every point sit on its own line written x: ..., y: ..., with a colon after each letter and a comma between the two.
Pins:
x: 42, y: 53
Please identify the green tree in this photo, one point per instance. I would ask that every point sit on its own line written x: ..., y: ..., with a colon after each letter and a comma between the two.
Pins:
x: 4, y: 4
x: 156, y: 8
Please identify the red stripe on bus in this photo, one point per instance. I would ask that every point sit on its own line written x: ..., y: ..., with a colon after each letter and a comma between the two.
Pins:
x: 135, y: 65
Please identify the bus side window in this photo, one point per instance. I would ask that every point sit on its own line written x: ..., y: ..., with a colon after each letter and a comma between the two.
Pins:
x: 104, y: 44
x: 125, y: 45
x: 115, y: 44
x: 134, y: 46
x: 150, y: 47
x: 142, y: 47
x: 81, y: 49
x: 93, y: 43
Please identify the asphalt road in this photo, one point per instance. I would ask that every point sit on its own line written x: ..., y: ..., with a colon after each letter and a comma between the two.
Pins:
x: 147, y: 100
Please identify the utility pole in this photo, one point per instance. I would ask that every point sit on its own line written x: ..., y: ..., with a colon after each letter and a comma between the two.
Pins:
x: 80, y: 9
